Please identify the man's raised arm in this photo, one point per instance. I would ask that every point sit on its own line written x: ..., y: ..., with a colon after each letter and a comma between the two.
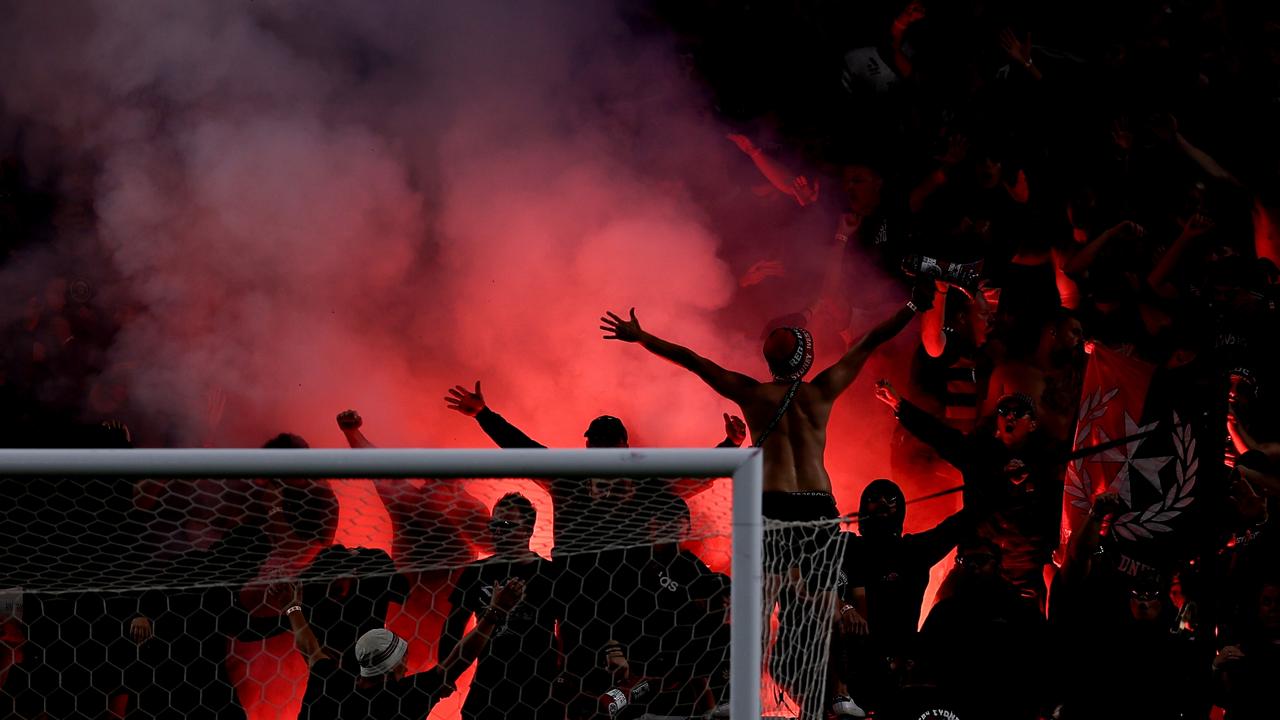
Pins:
x: 836, y: 379
x: 502, y: 433
x: 350, y: 422
x: 729, y: 384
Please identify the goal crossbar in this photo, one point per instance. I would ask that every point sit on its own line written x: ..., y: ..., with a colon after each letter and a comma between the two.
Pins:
x: 745, y: 466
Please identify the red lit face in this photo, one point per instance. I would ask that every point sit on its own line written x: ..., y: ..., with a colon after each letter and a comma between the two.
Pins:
x: 862, y: 187
x: 1014, y: 425
x: 979, y: 562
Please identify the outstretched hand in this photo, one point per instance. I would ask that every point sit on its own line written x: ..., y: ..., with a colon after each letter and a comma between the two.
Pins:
x: 508, y: 595
x: 619, y: 329
x: 886, y: 394
x: 805, y: 192
x: 1196, y: 225
x: 735, y: 429
x: 1018, y: 49
x: 465, y: 401
x: 283, y: 595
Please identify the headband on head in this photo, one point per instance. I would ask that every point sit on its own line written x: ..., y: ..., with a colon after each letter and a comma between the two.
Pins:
x: 797, y: 363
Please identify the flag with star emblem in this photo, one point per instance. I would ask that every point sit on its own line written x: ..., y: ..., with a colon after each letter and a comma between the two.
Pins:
x: 1156, y: 473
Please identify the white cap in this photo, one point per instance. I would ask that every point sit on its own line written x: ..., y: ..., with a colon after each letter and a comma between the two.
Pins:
x: 379, y: 651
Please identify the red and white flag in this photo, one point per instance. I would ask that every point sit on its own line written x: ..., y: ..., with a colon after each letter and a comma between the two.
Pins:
x: 1154, y: 473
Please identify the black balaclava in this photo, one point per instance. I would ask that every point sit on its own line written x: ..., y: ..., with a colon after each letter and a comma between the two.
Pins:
x: 891, y: 524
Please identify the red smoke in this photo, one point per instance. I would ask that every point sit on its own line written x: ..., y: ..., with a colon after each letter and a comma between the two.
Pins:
x: 310, y: 207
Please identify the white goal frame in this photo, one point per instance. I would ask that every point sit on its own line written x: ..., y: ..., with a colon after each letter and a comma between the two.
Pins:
x: 745, y: 466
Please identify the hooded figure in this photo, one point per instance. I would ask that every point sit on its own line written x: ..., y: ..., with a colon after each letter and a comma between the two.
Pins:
x: 882, y: 509
x: 886, y: 574
x: 890, y: 568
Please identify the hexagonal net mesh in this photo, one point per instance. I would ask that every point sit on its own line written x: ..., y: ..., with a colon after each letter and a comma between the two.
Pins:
x: 257, y: 598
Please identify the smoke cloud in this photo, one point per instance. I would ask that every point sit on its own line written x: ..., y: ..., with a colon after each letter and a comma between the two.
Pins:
x: 303, y: 207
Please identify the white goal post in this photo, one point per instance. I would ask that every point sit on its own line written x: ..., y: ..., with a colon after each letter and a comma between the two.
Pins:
x: 743, y: 465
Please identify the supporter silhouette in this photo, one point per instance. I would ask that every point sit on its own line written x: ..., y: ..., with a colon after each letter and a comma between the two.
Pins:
x: 381, y: 687
x: 653, y: 613
x: 515, y: 671
x: 885, y: 577
x: 436, y: 524
x: 1245, y: 671
x: 345, y: 593
x: 1012, y: 482
x: 984, y: 645
x: 1150, y: 669
x: 788, y: 417
x: 586, y: 516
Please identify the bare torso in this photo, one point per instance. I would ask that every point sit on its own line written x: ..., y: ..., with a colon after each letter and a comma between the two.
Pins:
x: 793, y: 452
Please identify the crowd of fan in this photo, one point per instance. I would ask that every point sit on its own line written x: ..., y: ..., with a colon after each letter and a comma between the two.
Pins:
x: 1110, y: 185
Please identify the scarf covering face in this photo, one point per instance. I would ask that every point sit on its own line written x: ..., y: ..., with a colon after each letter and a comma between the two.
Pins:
x: 789, y: 353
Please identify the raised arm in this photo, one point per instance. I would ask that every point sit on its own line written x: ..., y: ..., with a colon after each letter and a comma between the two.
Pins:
x: 1019, y: 50
x: 1204, y: 160
x: 782, y: 179
x: 1085, y: 257
x: 455, y: 624
x: 350, y: 422
x: 933, y: 321
x: 957, y: 148
x: 731, y: 385
x: 836, y: 379
x: 472, y: 404
x: 465, y: 652
x: 1084, y: 543
x: 1193, y: 228
x: 288, y: 597
x: 950, y: 444
x: 933, y: 544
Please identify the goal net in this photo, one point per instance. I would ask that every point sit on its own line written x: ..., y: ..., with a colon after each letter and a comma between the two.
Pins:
x: 440, y: 583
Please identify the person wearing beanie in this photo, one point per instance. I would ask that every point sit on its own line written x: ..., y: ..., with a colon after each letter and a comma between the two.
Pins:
x: 383, y: 688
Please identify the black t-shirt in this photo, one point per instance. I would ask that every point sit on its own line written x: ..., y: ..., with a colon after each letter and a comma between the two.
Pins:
x: 584, y: 524
x: 653, y: 605
x: 333, y: 693
x: 523, y: 648
x: 1016, y: 495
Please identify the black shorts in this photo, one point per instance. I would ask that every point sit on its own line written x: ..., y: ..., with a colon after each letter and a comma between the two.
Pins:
x: 799, y: 506
x: 806, y: 543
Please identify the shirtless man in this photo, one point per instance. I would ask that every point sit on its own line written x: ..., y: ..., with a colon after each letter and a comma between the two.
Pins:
x: 788, y: 416
x: 1051, y: 375
x: 788, y: 419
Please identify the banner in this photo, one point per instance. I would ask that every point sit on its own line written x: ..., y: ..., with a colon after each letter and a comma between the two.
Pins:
x: 1156, y: 473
